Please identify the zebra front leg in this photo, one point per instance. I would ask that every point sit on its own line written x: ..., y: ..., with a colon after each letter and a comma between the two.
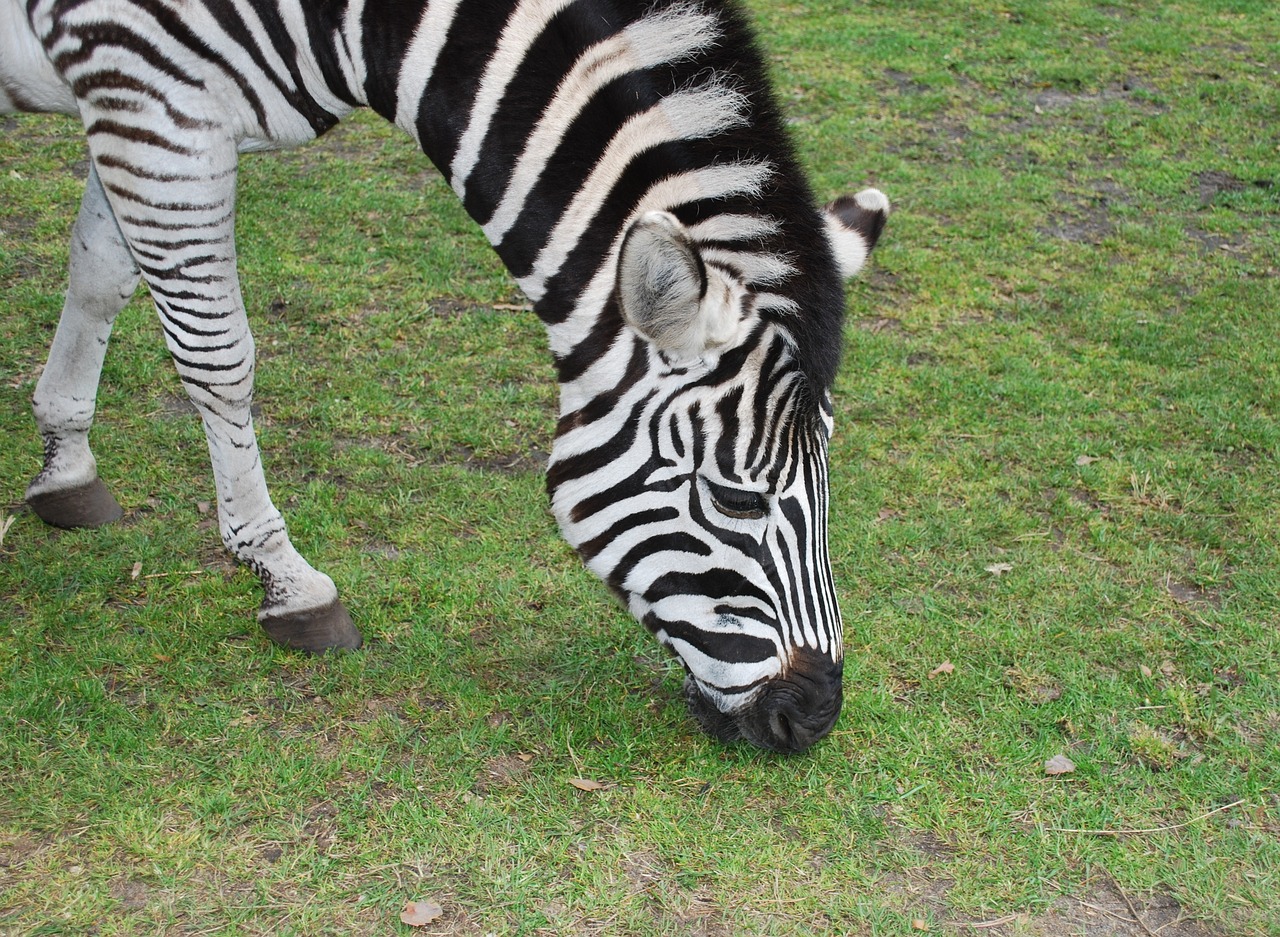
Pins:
x: 177, y: 214
x: 67, y: 492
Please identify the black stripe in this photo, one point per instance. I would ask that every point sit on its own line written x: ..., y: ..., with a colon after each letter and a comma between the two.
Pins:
x: 446, y: 106
x: 546, y: 63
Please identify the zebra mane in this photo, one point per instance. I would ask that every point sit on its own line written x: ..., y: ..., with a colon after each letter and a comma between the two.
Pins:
x: 693, y: 68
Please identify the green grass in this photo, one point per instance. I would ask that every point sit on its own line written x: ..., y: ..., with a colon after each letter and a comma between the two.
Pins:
x: 1083, y: 262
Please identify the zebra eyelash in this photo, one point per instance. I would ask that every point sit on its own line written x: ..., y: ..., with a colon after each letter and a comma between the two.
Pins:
x: 737, y: 503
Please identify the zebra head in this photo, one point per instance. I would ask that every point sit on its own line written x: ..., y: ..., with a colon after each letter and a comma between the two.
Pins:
x: 690, y: 465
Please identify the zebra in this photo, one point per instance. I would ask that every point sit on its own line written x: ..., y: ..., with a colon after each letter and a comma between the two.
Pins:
x: 629, y: 165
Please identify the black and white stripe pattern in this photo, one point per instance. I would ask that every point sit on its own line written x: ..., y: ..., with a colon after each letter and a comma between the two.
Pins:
x: 627, y: 163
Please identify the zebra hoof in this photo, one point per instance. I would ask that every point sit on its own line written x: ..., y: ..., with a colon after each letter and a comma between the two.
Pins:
x: 315, y: 631
x: 88, y: 505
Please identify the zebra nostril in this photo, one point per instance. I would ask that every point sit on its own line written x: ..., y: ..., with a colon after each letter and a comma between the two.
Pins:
x: 797, y: 710
x: 782, y: 730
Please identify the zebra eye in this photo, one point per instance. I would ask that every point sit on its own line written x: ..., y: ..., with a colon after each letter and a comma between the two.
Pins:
x: 734, y: 502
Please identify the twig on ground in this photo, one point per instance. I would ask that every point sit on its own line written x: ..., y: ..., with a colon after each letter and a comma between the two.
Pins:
x: 1150, y: 829
x: 1107, y: 911
x: 978, y: 925
x: 1132, y: 910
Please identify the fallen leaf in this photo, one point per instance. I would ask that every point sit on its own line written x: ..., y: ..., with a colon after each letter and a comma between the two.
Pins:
x: 919, y: 924
x: 1087, y: 459
x: 999, y: 569
x: 586, y: 784
x: 887, y: 514
x: 4, y: 527
x: 136, y: 571
x: 525, y: 757
x: 945, y: 667
x: 1059, y: 764
x: 203, y: 507
x: 1145, y: 670
x: 420, y: 913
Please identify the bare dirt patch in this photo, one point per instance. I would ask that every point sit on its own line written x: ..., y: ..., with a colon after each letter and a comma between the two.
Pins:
x: 1190, y: 594
x: 499, y: 772
x: 1104, y: 911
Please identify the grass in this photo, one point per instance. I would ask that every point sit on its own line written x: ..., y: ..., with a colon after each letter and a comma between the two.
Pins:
x: 1055, y: 467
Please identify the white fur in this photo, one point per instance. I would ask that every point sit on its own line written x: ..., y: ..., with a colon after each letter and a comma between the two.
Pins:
x: 689, y: 114
x: 729, y: 227
x: 850, y: 247
x: 719, y: 181
x: 27, y: 78
x: 671, y: 36
x: 681, y: 322
x: 419, y: 62
x: 527, y: 23
x: 351, y: 42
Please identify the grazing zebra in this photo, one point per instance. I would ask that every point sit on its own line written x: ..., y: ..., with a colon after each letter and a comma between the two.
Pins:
x: 627, y: 162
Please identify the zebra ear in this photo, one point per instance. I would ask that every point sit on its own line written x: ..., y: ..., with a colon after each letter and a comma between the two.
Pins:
x: 854, y: 223
x: 662, y: 285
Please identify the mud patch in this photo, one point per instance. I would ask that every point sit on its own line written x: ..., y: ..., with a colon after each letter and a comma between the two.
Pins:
x: 1103, y: 911
x: 132, y: 894
x: 903, y: 82
x: 1085, y: 222
x: 877, y: 324
x: 1056, y: 99
x: 1189, y: 594
x: 511, y: 463
x: 1211, y: 243
x: 500, y: 772
x: 1213, y: 182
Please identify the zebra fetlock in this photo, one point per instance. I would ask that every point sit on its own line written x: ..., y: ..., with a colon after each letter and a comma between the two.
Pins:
x: 628, y: 164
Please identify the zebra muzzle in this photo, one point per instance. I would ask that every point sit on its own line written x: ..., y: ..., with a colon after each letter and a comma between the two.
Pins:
x: 792, y: 712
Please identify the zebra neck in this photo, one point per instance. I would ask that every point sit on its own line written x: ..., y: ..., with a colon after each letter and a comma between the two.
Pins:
x: 557, y: 122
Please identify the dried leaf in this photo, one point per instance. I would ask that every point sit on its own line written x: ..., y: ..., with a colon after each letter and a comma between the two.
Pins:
x: 1145, y: 670
x: 945, y: 667
x: 919, y: 924
x: 4, y: 527
x: 525, y: 757
x: 999, y: 569
x: 420, y: 913
x: 1083, y: 460
x: 136, y: 571
x: 1059, y: 764
x: 586, y: 784
x: 204, y: 507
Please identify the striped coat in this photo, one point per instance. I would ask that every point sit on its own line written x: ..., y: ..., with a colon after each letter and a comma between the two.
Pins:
x: 629, y: 166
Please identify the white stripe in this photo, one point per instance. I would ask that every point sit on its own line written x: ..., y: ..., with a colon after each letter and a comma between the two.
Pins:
x: 730, y: 227
x: 776, y: 302
x: 305, y: 58
x: 671, y: 36
x: 521, y: 31
x: 714, y: 673
x: 701, y: 112
x: 754, y: 267
x: 720, y: 181
x: 354, y: 72
x: 419, y: 62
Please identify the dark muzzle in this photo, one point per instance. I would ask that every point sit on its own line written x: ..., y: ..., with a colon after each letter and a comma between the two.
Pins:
x: 792, y: 712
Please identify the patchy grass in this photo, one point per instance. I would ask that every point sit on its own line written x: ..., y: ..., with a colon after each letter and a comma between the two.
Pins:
x: 1055, y: 468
